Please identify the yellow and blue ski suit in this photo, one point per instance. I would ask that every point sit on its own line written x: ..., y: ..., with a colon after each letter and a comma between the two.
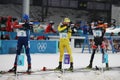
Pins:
x: 64, y: 42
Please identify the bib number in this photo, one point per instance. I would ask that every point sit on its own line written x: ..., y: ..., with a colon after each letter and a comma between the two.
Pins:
x: 21, y: 33
x: 97, y: 33
x: 63, y: 35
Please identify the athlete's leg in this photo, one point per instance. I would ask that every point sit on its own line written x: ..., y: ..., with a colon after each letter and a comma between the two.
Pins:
x: 103, y: 53
x: 69, y: 51
x: 19, y: 47
x: 92, y: 57
x: 61, y: 49
x: 27, y: 50
x: 94, y: 47
x: 18, y: 51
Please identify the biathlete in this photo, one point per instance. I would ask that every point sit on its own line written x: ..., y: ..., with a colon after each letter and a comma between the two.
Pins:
x: 23, y: 40
x: 98, y: 33
x: 65, y: 35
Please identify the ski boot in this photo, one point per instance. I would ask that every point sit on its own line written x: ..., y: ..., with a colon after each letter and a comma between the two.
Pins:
x: 107, y: 66
x: 89, y: 67
x: 14, y: 69
x: 71, y: 67
x: 59, y: 67
x: 29, y: 69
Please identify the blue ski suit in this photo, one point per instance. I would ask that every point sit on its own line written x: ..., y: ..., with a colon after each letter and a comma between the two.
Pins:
x: 23, y: 40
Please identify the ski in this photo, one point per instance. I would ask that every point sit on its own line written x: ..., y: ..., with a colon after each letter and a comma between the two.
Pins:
x: 29, y: 73
x: 62, y: 70
x: 7, y: 72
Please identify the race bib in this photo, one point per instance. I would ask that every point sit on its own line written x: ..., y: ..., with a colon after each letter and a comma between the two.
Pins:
x: 63, y: 35
x: 21, y: 33
x: 97, y: 33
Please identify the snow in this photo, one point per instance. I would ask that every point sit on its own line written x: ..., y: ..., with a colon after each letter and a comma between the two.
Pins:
x: 50, y: 61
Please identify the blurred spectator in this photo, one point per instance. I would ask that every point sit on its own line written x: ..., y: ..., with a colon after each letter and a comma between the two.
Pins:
x: 37, y: 27
x: 9, y: 27
x: 1, y: 37
x: 116, y: 44
x: 31, y: 37
x: 85, y: 28
x: 16, y: 23
x: 112, y: 34
x: 119, y: 47
x: 40, y: 28
x: 3, y: 23
x: 5, y: 37
x: 41, y: 38
x: 50, y: 27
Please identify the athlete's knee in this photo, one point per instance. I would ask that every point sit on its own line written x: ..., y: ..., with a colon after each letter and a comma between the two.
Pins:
x: 26, y: 47
x: 61, y: 54
x: 18, y: 52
